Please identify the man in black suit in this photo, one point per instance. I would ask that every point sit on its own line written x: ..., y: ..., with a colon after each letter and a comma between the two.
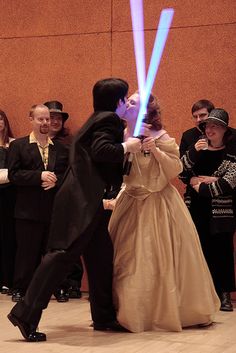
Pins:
x: 36, y: 165
x: 200, y: 112
x: 79, y: 221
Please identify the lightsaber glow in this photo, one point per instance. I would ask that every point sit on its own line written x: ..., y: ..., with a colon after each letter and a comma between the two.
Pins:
x: 136, y: 7
x: 160, y: 40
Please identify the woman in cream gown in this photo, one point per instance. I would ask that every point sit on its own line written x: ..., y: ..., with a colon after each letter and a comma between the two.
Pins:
x: 161, y: 279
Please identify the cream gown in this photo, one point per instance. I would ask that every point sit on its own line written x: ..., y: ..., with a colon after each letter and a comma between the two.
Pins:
x: 161, y: 279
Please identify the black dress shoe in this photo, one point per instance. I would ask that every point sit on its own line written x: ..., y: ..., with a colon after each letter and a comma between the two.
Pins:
x: 10, y: 292
x: 4, y: 290
x: 226, y: 304
x: 27, y: 331
x: 62, y: 296
x: 17, y: 296
x: 74, y: 293
x: 109, y: 326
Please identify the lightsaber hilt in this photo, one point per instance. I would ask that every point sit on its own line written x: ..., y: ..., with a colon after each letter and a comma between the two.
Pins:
x: 146, y: 153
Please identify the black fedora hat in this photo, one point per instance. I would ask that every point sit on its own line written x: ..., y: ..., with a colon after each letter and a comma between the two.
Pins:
x: 218, y: 116
x: 57, y: 107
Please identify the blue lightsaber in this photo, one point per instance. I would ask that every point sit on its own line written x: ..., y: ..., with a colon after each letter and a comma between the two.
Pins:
x: 136, y: 7
x: 160, y: 40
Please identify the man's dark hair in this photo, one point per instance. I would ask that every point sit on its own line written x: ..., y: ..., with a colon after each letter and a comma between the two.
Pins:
x: 203, y: 103
x: 108, y: 92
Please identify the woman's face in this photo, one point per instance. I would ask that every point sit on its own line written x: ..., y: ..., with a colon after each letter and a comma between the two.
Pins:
x: 2, y: 124
x: 215, y: 132
x: 133, y: 105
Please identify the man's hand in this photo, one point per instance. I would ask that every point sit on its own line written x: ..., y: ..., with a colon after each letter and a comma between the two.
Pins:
x: 109, y: 204
x: 46, y: 185
x: 48, y: 176
x: 133, y: 144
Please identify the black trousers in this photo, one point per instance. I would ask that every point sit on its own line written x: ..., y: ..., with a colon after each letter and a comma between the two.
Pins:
x: 74, y: 279
x: 96, y: 247
x: 7, y: 235
x: 219, y: 253
x: 218, y: 250
x: 31, y: 238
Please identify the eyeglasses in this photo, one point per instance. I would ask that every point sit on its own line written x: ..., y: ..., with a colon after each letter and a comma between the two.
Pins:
x: 200, y: 116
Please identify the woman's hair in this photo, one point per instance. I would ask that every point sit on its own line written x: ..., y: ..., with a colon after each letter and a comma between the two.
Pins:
x: 153, y: 115
x: 228, y: 137
x: 64, y: 132
x: 63, y: 136
x: 7, y: 133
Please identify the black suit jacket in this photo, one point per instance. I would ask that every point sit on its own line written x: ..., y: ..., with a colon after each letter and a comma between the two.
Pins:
x: 188, y: 139
x: 96, y: 165
x: 25, y: 166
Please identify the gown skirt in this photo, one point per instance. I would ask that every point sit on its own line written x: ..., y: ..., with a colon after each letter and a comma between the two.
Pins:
x: 161, y: 279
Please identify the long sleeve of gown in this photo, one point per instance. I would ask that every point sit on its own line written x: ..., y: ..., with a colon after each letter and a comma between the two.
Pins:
x: 170, y: 163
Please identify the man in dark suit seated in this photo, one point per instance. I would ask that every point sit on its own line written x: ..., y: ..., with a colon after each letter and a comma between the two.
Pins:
x: 36, y: 165
x: 79, y: 221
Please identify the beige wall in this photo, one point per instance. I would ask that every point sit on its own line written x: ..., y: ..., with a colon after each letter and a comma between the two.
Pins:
x: 52, y: 49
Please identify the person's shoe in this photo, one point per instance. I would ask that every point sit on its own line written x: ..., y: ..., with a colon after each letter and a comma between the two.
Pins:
x: 17, y: 296
x: 4, y: 290
x: 226, y: 304
x: 10, y: 292
x: 74, y: 293
x: 28, y: 332
x: 109, y: 326
x: 62, y: 296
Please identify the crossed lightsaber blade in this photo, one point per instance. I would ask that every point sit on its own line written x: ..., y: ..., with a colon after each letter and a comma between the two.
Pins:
x: 145, y: 84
